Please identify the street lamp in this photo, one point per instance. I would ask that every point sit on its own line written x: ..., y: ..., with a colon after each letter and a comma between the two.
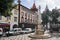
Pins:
x: 18, y: 12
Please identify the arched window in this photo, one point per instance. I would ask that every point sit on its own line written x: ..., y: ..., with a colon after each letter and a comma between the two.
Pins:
x: 26, y: 17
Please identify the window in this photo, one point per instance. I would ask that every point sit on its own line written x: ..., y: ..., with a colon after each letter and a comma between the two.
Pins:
x: 22, y: 20
x: 15, y: 12
x: 31, y: 20
x: 0, y: 17
x: 25, y: 14
x: 15, y: 19
x: 22, y: 17
x: 28, y: 16
x: 8, y: 18
x: 22, y: 13
x: 26, y: 20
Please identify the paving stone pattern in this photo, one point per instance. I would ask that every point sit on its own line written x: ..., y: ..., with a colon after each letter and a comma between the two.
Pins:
x: 25, y: 37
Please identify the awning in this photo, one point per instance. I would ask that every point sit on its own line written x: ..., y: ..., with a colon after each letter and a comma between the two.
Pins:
x: 4, y: 24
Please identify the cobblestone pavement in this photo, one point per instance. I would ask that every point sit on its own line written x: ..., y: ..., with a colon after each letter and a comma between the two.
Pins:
x: 18, y: 37
x: 25, y: 37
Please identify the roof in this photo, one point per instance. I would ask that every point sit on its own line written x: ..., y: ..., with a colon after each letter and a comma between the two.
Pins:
x: 16, y: 7
x: 24, y: 6
x: 20, y: 5
x: 34, y: 7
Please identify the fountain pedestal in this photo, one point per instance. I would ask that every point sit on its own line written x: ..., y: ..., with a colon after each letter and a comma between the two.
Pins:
x: 40, y: 34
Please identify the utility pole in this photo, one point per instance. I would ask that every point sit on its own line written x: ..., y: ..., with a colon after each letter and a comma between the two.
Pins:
x: 18, y: 13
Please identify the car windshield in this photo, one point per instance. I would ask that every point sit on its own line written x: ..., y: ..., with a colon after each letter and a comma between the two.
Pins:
x: 25, y: 30
x: 11, y: 31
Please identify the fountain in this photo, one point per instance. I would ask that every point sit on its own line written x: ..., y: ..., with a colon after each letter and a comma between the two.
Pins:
x: 39, y: 31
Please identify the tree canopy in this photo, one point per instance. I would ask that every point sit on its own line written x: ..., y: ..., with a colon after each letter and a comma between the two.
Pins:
x: 45, y: 15
x: 5, y: 7
x: 54, y: 15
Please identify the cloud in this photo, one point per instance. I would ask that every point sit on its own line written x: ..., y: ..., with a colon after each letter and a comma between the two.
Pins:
x: 29, y: 1
x: 51, y: 4
x: 58, y: 7
x: 49, y: 1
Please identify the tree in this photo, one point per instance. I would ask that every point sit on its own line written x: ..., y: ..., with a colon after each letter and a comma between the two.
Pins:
x: 5, y: 7
x: 54, y: 15
x: 45, y: 16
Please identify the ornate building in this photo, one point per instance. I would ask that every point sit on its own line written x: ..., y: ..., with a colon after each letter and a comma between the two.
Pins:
x: 28, y: 17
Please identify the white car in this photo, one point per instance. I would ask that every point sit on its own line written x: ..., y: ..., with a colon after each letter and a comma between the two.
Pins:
x: 27, y: 30
x: 30, y: 30
x: 17, y: 30
x: 1, y: 31
x: 24, y: 31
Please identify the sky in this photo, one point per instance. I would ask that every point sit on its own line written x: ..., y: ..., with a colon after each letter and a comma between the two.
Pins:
x: 51, y: 3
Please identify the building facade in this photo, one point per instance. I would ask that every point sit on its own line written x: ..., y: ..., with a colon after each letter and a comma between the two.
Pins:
x: 28, y: 17
x: 12, y: 20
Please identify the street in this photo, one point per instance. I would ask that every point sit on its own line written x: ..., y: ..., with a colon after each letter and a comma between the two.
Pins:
x: 17, y: 37
x: 25, y: 37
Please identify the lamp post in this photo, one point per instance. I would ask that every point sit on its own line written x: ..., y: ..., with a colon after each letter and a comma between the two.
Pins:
x: 18, y: 12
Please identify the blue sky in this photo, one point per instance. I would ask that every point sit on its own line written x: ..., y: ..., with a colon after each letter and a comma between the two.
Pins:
x: 27, y: 3
x: 51, y: 3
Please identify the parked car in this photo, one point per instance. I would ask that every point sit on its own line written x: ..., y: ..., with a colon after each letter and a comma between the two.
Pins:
x: 17, y: 30
x: 24, y: 31
x: 30, y: 30
x: 11, y: 32
x: 33, y: 30
x: 1, y: 31
x: 27, y: 30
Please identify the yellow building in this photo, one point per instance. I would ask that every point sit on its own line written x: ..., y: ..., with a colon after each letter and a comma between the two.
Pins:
x: 12, y: 20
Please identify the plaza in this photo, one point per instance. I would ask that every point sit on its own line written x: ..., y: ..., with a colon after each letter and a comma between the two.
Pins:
x: 25, y: 37
x: 43, y: 21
